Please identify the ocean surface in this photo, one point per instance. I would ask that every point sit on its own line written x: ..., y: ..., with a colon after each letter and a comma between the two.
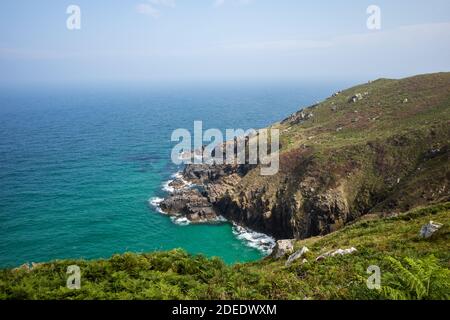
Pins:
x: 80, y: 166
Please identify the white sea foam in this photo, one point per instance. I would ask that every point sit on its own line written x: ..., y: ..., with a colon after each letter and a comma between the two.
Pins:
x: 254, y: 239
x: 249, y: 237
x: 167, y: 188
x: 221, y: 219
x: 155, y: 202
x: 176, y: 176
x: 179, y: 176
x: 182, y: 221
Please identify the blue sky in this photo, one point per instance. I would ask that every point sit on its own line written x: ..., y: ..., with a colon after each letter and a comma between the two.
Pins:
x: 220, y: 40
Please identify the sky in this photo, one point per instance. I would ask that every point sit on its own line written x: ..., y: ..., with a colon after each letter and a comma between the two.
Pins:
x: 165, y: 41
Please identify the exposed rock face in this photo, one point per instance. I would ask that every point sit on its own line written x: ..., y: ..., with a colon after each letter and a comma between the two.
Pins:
x: 429, y: 229
x: 177, y: 184
x: 282, y: 213
x: 282, y: 248
x: 377, y: 163
x: 203, y: 173
x: 209, y: 183
x: 305, y: 199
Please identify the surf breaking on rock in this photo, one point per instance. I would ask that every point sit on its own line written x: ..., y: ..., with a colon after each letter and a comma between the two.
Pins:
x: 190, y: 200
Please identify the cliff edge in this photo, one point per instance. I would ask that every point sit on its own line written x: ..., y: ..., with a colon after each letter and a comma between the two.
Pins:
x: 378, y: 148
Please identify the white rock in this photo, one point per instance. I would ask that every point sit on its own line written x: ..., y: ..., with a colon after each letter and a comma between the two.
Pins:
x: 344, y: 252
x: 356, y: 97
x: 339, y: 252
x: 298, y: 255
x: 429, y: 229
x: 282, y: 248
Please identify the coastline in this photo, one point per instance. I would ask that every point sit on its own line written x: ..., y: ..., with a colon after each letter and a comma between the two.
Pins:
x: 180, y: 185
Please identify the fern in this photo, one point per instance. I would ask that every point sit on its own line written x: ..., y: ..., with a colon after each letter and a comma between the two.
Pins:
x: 416, y: 279
x: 394, y: 294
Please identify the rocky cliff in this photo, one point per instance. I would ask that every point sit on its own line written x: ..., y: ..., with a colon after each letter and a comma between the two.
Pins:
x: 378, y: 148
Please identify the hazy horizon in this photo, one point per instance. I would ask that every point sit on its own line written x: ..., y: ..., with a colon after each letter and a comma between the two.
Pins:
x: 219, y: 41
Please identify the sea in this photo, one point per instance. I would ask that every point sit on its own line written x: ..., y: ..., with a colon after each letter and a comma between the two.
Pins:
x: 82, y: 168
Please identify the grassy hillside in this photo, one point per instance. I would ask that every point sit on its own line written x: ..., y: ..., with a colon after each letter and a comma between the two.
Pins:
x: 411, y: 268
x: 348, y: 167
x: 387, y: 150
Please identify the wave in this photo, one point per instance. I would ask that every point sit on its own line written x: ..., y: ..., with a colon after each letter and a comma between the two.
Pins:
x: 155, y: 202
x: 250, y: 238
x: 176, y: 176
x: 181, y: 221
x: 254, y: 239
x: 167, y: 188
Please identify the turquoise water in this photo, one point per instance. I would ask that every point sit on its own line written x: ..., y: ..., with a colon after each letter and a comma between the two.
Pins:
x: 78, y: 166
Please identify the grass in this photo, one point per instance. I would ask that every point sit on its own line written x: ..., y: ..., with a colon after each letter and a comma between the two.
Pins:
x: 176, y: 275
x: 388, y: 156
x: 376, y: 154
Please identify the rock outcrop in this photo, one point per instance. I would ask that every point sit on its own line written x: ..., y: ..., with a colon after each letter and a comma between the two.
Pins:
x: 283, y: 248
x: 191, y: 204
x: 198, y: 189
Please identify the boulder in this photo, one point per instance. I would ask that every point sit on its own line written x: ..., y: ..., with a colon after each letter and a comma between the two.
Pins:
x: 343, y: 252
x: 429, y: 229
x: 357, y: 97
x: 282, y: 248
x: 298, y: 255
x: 339, y: 252
x: 300, y: 116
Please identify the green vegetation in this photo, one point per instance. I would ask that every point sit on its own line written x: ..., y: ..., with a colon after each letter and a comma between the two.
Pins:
x: 359, y: 162
x: 419, y: 279
x: 380, y: 147
x: 412, y: 268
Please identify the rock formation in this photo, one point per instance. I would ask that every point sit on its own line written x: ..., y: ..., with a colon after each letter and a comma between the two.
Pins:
x: 379, y: 167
